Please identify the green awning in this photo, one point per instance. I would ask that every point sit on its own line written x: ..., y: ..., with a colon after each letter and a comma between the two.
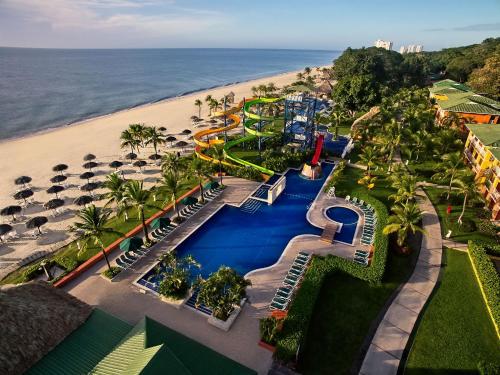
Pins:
x: 211, y: 185
x: 161, y: 222
x: 189, y: 200
x: 131, y: 244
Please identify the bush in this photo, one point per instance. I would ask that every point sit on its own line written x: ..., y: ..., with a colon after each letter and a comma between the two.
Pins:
x: 488, y: 277
x: 248, y: 173
x: 66, y: 262
x: 486, y: 368
x: 112, y: 272
x: 268, y: 329
x: 297, y: 321
x: 36, y: 269
x: 175, y: 284
x: 335, y: 176
x: 485, y: 226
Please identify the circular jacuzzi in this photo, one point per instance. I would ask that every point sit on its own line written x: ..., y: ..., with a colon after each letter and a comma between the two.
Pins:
x: 348, y: 219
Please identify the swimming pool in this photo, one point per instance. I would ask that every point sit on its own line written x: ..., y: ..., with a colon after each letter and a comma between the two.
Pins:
x: 254, y: 235
x: 349, y: 219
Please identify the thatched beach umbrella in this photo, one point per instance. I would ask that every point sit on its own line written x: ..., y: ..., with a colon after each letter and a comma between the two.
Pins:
x: 186, y: 131
x: 23, y: 194
x: 140, y: 164
x: 83, y: 200
x: 87, y: 176
x: 212, y: 121
x: 55, y: 189
x: 155, y: 157
x: 60, y: 168
x: 115, y: 164
x: 162, y: 129
x: 91, y: 186
x: 131, y: 156
x: 171, y: 139
x: 11, y: 211
x: 53, y: 204
x: 89, y: 165
x: 181, y: 144
x: 58, y: 178
x: 194, y: 118
x: 89, y: 157
x: 36, y: 222
x: 23, y: 180
x: 4, y: 229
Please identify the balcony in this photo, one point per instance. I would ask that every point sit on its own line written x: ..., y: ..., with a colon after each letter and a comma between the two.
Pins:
x: 495, y: 195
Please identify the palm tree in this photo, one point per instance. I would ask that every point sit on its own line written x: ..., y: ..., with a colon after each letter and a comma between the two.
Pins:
x: 135, y: 196
x: 138, y: 131
x: 92, y: 225
x: 115, y: 186
x: 300, y: 76
x: 466, y: 187
x: 171, y: 162
x: 172, y: 184
x: 198, y: 103
x: 337, y: 117
x: 154, y: 137
x: 307, y: 70
x: 406, y: 188
x: 218, y: 155
x: 128, y: 140
x: 369, y: 157
x: 199, y: 169
x: 451, y: 166
x: 405, y: 220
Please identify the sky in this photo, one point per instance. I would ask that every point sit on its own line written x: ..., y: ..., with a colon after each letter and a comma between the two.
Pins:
x: 306, y: 24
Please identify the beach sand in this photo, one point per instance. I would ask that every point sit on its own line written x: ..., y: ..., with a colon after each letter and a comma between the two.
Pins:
x: 35, y: 156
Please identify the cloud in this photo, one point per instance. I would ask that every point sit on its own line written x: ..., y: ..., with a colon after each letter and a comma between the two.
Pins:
x: 475, y: 27
x: 150, y: 17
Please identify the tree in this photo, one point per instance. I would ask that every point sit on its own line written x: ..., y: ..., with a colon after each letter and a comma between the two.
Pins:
x: 115, y: 186
x: 357, y: 93
x: 198, y: 103
x: 460, y: 67
x: 128, y: 140
x: 487, y: 79
x: 221, y: 291
x: 138, y: 131
x: 369, y: 157
x: 154, y: 137
x: 175, y: 274
x: 449, y: 169
x: 199, y: 169
x: 465, y: 187
x: 404, y: 220
x: 337, y: 117
x: 172, y: 184
x: 135, y: 196
x: 171, y: 162
x: 406, y: 189
x: 92, y: 226
x: 218, y: 155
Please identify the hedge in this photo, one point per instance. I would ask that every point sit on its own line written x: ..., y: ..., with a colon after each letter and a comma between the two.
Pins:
x: 299, y: 315
x: 488, y: 278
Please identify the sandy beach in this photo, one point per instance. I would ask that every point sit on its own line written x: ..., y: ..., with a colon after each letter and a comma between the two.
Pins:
x: 35, y: 155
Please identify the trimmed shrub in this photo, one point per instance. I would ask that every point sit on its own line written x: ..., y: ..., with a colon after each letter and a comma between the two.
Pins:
x: 297, y: 321
x: 268, y: 328
x: 111, y: 272
x: 488, y: 277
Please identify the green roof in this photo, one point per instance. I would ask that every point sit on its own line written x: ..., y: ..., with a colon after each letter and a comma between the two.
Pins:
x: 461, y: 99
x: 83, y: 348
x: 151, y: 348
x: 489, y: 135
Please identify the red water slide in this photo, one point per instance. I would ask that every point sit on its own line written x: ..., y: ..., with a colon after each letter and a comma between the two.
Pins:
x: 317, y: 152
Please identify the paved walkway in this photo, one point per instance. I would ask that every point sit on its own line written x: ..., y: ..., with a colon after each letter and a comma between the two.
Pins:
x: 455, y: 245
x: 390, y: 339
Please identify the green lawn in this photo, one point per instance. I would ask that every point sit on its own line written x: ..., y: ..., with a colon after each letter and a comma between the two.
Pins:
x: 474, y: 218
x: 249, y: 155
x: 347, y: 306
x: 455, y: 332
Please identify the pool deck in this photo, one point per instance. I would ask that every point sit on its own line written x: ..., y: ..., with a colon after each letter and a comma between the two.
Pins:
x: 125, y: 300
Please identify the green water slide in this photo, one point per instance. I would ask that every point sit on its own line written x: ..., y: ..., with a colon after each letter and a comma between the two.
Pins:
x: 251, y: 119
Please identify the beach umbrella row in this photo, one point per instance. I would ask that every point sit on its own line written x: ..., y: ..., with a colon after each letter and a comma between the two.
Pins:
x: 55, y: 189
x: 23, y: 180
x: 11, y: 211
x: 53, y: 204
x: 23, y: 194
x: 36, y: 222
x: 83, y: 200
x: 58, y: 178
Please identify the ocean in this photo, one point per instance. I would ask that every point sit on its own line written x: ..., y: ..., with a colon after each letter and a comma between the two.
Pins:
x: 48, y: 88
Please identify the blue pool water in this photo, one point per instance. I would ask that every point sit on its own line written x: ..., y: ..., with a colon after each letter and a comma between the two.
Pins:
x: 335, y: 147
x: 253, y: 236
x: 349, y: 219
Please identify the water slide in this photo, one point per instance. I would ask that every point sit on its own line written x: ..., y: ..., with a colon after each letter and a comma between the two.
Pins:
x: 317, y: 152
x: 203, y: 142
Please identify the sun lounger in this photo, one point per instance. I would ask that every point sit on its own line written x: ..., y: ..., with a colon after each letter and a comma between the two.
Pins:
x: 125, y: 260
x: 278, y: 306
x: 120, y: 263
x: 303, y: 253
x: 289, y: 282
x: 295, y: 272
x: 363, y: 262
x: 300, y: 262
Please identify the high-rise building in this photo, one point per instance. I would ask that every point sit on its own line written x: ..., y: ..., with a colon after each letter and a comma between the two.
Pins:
x: 411, y: 48
x: 386, y: 44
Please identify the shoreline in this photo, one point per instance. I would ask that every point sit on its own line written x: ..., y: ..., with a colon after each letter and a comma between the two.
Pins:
x: 138, y: 106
